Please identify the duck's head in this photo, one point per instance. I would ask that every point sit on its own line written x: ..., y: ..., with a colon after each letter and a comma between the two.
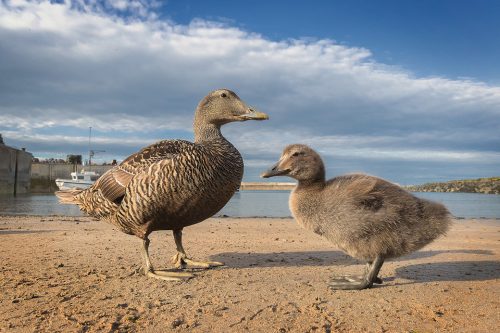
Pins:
x: 300, y: 162
x: 223, y: 106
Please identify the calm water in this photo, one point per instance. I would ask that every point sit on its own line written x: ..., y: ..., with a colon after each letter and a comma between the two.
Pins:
x: 258, y: 203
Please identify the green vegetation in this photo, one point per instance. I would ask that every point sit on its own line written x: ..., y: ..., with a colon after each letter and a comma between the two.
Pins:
x: 479, y: 185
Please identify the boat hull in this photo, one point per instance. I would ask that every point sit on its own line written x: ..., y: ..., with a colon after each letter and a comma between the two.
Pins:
x: 67, y: 184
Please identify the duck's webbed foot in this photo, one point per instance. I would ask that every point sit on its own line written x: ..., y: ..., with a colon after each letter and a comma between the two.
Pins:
x: 360, y: 282
x: 160, y: 274
x: 169, y: 276
x: 181, y: 260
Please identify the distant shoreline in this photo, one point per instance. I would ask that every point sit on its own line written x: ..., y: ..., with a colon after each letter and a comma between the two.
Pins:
x: 222, y: 216
x: 481, y: 185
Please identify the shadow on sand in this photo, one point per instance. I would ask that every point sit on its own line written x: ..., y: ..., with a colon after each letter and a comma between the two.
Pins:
x: 22, y: 231
x: 451, y: 271
x: 315, y: 258
x: 423, y: 272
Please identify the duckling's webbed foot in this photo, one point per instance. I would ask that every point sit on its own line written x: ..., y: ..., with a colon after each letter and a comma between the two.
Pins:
x: 181, y: 260
x: 349, y: 283
x: 360, y: 282
x: 162, y: 275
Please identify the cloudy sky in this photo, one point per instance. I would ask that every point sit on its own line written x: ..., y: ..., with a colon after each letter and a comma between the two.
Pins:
x: 406, y: 90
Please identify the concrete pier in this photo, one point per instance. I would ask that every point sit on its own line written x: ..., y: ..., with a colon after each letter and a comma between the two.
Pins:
x: 267, y: 186
x: 15, y: 168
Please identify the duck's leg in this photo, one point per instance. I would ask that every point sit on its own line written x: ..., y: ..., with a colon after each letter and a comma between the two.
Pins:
x: 181, y: 259
x: 162, y: 275
x: 366, y: 281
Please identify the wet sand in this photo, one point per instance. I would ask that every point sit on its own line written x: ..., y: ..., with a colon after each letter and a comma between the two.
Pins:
x: 66, y: 274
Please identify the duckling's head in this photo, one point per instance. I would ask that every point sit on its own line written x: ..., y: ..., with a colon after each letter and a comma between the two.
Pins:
x: 223, y: 106
x: 300, y: 162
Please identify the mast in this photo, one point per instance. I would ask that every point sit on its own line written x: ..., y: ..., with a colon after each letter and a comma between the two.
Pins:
x: 90, y: 150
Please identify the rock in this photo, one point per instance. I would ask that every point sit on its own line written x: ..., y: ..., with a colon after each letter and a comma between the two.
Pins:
x: 177, y: 322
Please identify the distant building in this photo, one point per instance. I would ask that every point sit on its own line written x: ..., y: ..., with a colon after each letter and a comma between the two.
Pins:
x: 15, y: 169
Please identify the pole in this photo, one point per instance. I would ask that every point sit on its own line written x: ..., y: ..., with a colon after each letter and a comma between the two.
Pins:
x: 15, y: 174
x: 90, y: 151
x: 50, y: 177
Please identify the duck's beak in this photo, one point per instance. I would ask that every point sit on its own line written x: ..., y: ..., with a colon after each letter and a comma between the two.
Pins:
x: 275, y: 171
x: 252, y: 114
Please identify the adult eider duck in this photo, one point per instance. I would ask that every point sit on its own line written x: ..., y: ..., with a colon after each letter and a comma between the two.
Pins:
x: 367, y: 217
x: 172, y: 184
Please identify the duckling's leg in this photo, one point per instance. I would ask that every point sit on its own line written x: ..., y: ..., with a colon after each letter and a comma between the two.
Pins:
x: 181, y: 259
x: 367, y: 269
x: 366, y: 281
x: 162, y: 275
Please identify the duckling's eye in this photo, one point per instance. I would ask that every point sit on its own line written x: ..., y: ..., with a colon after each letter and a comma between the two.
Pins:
x: 296, y: 154
x: 223, y: 95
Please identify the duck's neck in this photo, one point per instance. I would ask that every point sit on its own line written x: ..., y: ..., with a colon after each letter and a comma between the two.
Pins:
x: 204, y: 132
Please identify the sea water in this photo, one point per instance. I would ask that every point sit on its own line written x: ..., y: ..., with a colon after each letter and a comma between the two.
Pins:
x: 257, y: 204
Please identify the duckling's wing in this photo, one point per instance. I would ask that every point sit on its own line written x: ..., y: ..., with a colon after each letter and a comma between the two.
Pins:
x: 366, y: 191
x: 114, y: 182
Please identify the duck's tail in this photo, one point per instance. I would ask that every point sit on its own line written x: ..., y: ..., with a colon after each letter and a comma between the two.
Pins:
x: 69, y: 196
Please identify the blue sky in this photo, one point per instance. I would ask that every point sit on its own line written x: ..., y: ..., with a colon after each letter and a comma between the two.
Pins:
x: 427, y: 37
x: 406, y: 90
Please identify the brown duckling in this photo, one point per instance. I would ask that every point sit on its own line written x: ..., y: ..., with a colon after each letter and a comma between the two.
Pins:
x: 172, y: 184
x: 369, y: 218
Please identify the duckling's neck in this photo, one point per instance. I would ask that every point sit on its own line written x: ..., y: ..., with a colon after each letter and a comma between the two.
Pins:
x: 311, y: 184
x: 313, y: 178
x: 204, y: 132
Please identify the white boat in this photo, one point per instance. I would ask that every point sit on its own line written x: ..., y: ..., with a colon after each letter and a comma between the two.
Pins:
x: 82, y: 180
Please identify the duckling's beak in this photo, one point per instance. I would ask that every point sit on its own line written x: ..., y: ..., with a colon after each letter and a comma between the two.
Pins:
x: 252, y: 114
x: 275, y: 171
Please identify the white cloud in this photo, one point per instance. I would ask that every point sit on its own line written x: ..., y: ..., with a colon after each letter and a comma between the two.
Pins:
x: 71, y: 139
x: 107, y: 122
x: 269, y: 144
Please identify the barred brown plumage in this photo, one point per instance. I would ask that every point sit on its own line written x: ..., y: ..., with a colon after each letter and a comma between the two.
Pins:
x: 172, y: 184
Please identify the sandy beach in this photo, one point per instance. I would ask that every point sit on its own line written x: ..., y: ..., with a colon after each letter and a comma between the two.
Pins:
x: 67, y: 274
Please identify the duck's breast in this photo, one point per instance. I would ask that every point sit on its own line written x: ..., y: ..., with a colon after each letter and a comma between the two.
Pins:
x: 182, y: 191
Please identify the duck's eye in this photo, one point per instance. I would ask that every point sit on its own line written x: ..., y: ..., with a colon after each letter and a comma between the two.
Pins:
x: 296, y: 154
x: 223, y: 95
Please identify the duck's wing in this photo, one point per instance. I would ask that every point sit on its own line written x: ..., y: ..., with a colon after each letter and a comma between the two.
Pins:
x: 114, y: 182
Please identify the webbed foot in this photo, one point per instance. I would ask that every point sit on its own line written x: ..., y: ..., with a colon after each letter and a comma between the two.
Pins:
x: 180, y: 260
x: 168, y: 276
x: 350, y: 283
x: 360, y: 282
